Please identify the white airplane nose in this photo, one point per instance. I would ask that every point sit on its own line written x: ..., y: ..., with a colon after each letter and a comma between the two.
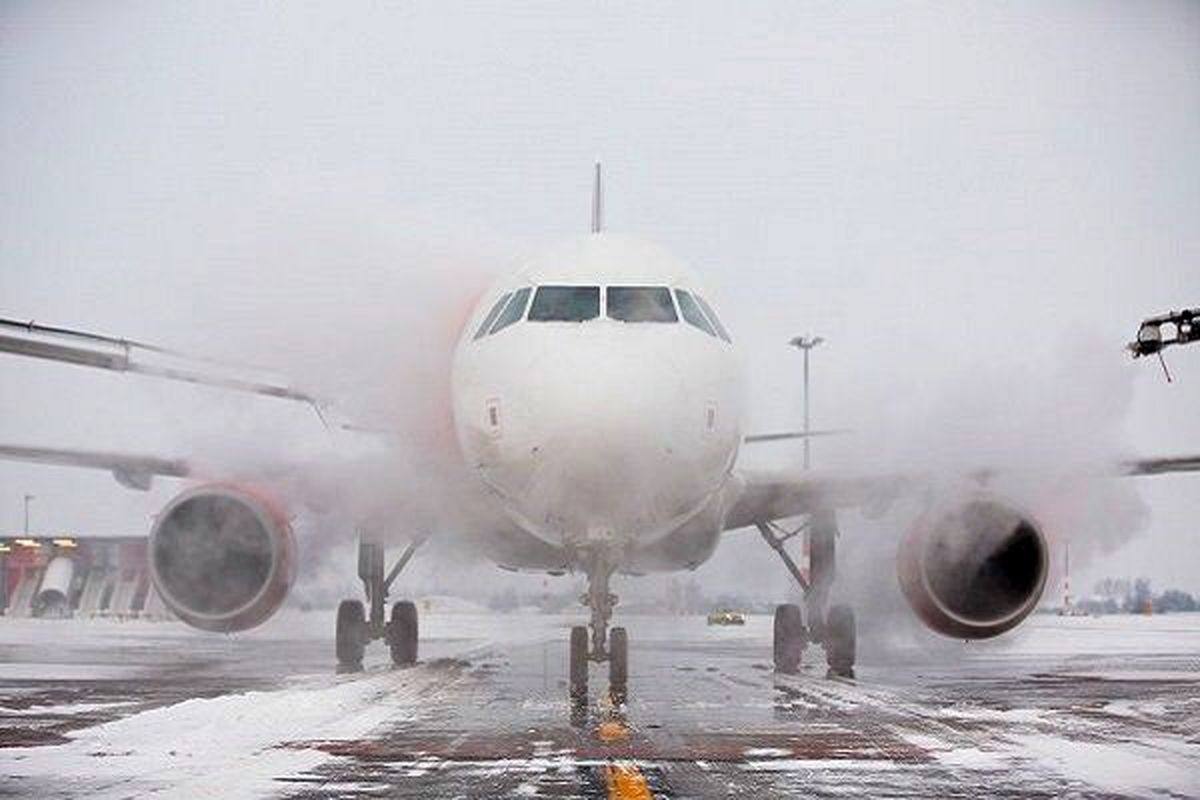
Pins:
x: 611, y: 445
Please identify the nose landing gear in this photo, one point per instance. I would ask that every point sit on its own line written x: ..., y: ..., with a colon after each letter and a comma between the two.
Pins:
x: 614, y: 649
x: 833, y: 627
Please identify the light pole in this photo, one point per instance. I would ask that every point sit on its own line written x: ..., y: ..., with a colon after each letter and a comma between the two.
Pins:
x: 806, y: 343
x: 28, y: 497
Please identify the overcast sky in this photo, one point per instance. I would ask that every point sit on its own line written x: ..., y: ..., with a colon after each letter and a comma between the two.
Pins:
x: 974, y: 203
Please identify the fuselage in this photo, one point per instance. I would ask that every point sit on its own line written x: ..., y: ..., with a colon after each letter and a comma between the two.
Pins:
x: 598, y: 397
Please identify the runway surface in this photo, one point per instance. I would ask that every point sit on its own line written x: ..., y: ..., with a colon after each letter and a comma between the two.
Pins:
x: 1070, y: 707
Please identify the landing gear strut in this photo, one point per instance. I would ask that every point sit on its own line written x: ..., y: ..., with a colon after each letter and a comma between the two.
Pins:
x: 601, y: 602
x: 355, y: 629
x: 833, y: 627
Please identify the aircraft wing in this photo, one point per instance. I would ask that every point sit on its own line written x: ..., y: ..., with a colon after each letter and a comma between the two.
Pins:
x: 764, y: 496
x: 1161, y: 466
x: 131, y: 471
x: 99, y: 351
x: 789, y: 435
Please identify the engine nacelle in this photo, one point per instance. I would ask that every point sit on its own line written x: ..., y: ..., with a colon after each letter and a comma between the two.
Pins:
x: 973, y: 569
x: 222, y: 557
x: 54, y: 595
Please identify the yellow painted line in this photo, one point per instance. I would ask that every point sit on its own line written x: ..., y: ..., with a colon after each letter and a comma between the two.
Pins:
x: 626, y: 782
x: 612, y: 731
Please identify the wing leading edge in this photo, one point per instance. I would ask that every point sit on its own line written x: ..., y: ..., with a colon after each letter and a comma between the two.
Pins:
x: 767, y: 496
x: 131, y: 471
x: 98, y: 351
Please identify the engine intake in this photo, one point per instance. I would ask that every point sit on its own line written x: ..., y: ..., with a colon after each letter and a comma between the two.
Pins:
x: 222, y: 558
x: 974, y: 569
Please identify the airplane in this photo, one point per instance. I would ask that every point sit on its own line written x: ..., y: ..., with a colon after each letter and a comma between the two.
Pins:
x: 597, y: 404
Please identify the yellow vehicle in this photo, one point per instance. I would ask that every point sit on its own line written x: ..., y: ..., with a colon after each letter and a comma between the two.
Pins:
x: 725, y: 616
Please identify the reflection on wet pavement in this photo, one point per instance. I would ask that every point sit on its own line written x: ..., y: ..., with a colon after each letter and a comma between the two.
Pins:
x: 486, y: 714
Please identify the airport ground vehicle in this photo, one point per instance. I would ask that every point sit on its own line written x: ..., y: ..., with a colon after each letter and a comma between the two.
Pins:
x: 726, y: 616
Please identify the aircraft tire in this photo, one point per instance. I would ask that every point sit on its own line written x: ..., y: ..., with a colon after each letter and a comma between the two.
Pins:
x: 618, y: 661
x: 789, y: 637
x: 403, y: 633
x: 841, y: 643
x: 351, y: 634
x: 579, y: 663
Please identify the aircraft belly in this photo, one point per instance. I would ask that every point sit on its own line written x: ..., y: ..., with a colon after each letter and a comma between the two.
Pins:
x: 685, y: 546
x: 511, y: 547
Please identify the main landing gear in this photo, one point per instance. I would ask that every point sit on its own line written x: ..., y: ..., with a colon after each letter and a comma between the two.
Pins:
x: 355, y: 629
x: 832, y: 627
x: 614, y: 649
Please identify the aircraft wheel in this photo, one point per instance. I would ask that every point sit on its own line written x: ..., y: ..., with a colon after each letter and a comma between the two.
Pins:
x: 618, y: 662
x: 840, y: 641
x: 579, y: 662
x: 402, y: 633
x: 789, y: 637
x: 351, y: 634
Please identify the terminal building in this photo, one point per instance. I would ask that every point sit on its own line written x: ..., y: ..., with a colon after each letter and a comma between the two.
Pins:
x: 77, y: 577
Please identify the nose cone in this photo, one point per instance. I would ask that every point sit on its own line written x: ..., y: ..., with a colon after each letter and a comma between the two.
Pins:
x: 607, y: 445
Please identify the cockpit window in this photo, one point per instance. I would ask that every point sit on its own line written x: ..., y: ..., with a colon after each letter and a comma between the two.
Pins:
x: 692, y: 313
x: 565, y: 304
x: 712, y: 316
x: 491, y: 316
x: 641, y: 304
x: 514, y: 310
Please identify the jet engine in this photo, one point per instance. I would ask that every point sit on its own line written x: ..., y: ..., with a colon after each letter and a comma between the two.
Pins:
x: 973, y: 569
x: 222, y: 557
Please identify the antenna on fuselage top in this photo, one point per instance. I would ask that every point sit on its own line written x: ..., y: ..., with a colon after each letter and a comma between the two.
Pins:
x: 597, y: 201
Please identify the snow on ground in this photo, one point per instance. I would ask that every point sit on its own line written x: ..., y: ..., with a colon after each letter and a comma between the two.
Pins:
x: 1088, y: 705
x: 1051, y: 635
x: 1127, y: 767
x: 198, y: 748
x: 232, y: 745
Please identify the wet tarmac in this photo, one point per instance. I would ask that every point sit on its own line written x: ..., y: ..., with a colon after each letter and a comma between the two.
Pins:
x: 1072, y: 707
